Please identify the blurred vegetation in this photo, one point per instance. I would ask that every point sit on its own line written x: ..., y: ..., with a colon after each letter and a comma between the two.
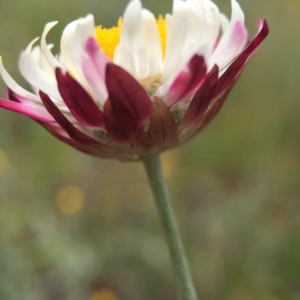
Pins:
x: 76, y: 227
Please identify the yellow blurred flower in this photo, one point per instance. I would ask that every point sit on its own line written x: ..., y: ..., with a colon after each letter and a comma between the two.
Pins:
x: 104, y: 294
x: 69, y: 200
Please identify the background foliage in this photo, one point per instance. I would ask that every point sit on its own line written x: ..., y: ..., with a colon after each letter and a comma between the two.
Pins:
x: 74, y: 227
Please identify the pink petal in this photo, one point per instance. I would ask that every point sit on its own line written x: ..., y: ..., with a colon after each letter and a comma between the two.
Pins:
x: 232, y: 47
x: 187, y: 82
x: 237, y: 66
x: 94, y: 67
x: 33, y: 111
x: 17, y: 98
x: 127, y: 108
x: 80, y: 103
x: 202, y: 98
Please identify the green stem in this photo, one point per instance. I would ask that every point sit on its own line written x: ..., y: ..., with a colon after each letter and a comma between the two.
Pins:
x: 169, y: 223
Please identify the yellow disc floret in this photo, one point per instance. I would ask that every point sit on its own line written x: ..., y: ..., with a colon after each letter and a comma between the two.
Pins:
x: 108, y: 39
x: 161, y: 25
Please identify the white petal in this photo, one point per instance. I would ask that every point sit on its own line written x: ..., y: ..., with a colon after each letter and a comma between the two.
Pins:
x: 131, y: 52
x: 85, y: 30
x: 94, y: 67
x: 72, y: 45
x: 34, y: 75
x: 61, y: 61
x: 182, y: 38
x: 236, y: 15
x: 11, y: 83
x: 123, y: 57
x: 201, y: 21
x: 212, y: 19
x: 233, y: 40
x: 224, y: 23
x: 152, y: 43
x: 43, y: 64
x: 225, y: 54
x: 53, y: 62
x: 208, y: 22
x: 203, y: 50
x: 66, y: 46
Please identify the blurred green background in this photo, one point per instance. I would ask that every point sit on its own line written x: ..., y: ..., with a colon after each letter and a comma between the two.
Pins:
x: 73, y: 227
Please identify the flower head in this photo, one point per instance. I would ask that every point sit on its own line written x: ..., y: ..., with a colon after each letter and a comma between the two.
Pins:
x: 142, y: 87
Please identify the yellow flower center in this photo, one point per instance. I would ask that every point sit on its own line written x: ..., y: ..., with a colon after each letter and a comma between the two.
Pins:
x: 109, y: 38
x: 161, y: 25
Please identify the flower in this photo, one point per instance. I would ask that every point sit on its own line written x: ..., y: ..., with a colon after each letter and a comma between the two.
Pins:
x: 137, y: 89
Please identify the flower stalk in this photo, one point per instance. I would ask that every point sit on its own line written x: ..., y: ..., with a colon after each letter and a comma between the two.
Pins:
x: 170, y: 227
